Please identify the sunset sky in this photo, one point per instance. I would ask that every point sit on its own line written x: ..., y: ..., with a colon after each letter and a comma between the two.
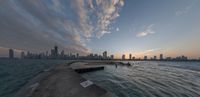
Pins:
x: 139, y: 27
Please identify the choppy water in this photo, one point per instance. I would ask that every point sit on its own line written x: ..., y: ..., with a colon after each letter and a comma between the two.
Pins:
x: 16, y: 73
x: 150, y: 79
x: 146, y: 79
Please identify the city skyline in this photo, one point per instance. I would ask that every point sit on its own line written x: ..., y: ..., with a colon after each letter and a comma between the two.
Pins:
x: 56, y: 53
x: 138, y: 27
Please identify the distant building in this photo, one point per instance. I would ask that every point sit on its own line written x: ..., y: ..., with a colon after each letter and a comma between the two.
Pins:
x: 145, y: 57
x: 105, y: 55
x: 56, y: 51
x: 184, y: 58
x: 123, y: 57
x: 181, y: 58
x: 62, y: 54
x: 161, y: 56
x: 11, y: 53
x: 77, y: 55
x: 133, y: 58
x: 112, y: 56
x: 130, y: 56
x: 28, y: 54
x: 168, y: 58
x: 47, y: 54
x: 22, y: 55
x: 96, y: 56
x: 155, y: 58
x: 52, y: 52
x: 70, y: 54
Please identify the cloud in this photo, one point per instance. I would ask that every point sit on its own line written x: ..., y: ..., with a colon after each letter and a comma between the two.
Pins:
x: 37, y: 25
x: 147, y: 31
x: 149, y: 51
x: 184, y: 10
x: 117, y: 29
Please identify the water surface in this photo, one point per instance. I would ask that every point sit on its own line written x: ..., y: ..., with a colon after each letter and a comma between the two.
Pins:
x: 150, y: 79
x: 16, y: 73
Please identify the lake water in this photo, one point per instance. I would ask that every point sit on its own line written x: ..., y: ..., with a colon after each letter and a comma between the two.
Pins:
x: 143, y: 79
x: 16, y: 73
x: 150, y: 79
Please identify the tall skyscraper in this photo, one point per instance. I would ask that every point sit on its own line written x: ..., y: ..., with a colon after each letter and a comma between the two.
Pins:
x: 161, y: 56
x: 123, y: 57
x: 56, y: 50
x: 112, y: 56
x: 77, y: 55
x: 11, y: 53
x: 130, y: 56
x: 105, y: 54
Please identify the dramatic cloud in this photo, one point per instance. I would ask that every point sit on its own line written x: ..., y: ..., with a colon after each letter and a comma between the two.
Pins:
x: 147, y: 31
x: 39, y: 24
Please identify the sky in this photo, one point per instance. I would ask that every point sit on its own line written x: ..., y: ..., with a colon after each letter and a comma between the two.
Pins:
x: 139, y: 27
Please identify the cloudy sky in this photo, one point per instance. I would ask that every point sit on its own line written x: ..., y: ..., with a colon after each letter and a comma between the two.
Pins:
x: 140, y: 27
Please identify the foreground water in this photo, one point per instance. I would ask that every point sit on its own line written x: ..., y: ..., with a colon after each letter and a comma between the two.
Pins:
x: 143, y: 79
x: 150, y: 79
x: 16, y: 73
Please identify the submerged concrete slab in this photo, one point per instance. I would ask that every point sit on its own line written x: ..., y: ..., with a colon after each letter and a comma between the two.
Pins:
x: 82, y: 67
x: 88, y: 69
x: 62, y: 81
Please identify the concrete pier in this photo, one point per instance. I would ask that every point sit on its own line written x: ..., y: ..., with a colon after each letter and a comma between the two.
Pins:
x: 62, y: 81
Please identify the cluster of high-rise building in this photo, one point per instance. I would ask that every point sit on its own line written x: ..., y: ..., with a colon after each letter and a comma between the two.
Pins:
x: 55, y: 54
x: 154, y: 58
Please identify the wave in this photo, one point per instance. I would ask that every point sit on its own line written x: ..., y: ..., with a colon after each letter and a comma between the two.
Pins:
x: 148, y: 80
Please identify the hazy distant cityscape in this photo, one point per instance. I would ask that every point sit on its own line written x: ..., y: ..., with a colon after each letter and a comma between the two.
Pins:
x: 55, y: 54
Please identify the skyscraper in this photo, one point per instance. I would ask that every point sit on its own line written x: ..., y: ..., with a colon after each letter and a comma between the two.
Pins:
x: 123, y: 57
x: 145, y: 57
x: 161, y: 56
x: 62, y: 54
x: 11, y: 54
x: 105, y: 54
x: 154, y: 58
x: 112, y: 56
x: 56, y: 51
x: 77, y: 55
x: 130, y: 56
